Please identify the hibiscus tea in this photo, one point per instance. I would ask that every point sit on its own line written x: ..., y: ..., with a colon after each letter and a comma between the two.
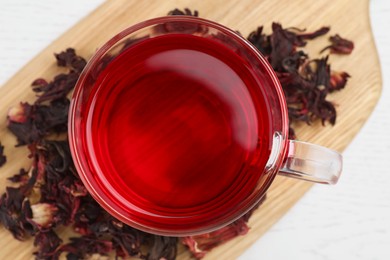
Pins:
x: 177, y: 127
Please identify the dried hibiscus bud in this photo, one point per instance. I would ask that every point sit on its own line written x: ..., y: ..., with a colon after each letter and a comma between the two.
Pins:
x: 19, y: 113
x: 338, y: 80
x: 39, y: 85
x: 339, y: 45
x: 43, y: 215
x: 3, y: 158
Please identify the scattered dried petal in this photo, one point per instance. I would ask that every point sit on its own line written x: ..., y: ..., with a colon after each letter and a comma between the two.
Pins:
x: 20, y: 177
x: 338, y: 80
x: 186, y: 11
x: 81, y: 247
x: 339, y: 45
x: 39, y: 85
x: 48, y: 243
x: 68, y: 58
x: 163, y: 248
x: 199, y: 245
x: 261, y: 41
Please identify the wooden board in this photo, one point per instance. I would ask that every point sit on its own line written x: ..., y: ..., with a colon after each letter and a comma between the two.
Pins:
x: 354, y: 104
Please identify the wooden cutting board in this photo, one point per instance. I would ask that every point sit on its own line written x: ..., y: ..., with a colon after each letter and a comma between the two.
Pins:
x: 354, y: 104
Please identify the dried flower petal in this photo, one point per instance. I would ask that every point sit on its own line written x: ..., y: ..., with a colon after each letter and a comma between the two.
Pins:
x: 20, y: 177
x: 163, y: 248
x: 39, y: 85
x: 199, y: 245
x: 186, y: 11
x: 43, y: 214
x: 80, y: 247
x: 48, y: 243
x: 68, y: 58
x: 338, y: 80
x: 339, y: 45
x: 261, y: 41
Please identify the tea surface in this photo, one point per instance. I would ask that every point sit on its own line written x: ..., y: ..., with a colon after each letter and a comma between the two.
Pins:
x: 178, y: 126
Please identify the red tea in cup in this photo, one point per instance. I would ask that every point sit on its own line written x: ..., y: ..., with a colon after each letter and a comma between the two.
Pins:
x: 178, y: 129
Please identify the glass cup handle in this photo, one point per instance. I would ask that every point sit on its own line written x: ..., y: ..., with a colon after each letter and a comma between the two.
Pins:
x: 312, y: 162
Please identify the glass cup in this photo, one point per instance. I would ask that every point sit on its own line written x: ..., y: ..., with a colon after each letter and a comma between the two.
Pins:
x: 289, y: 158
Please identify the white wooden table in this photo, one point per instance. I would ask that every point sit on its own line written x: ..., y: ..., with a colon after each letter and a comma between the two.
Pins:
x: 347, y: 221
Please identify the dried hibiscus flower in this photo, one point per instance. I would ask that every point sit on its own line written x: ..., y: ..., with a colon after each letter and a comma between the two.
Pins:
x: 339, y: 45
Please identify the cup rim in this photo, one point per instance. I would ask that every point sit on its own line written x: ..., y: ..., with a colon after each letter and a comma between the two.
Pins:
x: 76, y: 149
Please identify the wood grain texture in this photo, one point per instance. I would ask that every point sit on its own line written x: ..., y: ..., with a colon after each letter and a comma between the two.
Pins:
x: 355, y: 103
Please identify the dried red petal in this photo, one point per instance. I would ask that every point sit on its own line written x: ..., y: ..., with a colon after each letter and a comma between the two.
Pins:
x: 20, y: 177
x: 283, y: 44
x: 199, y: 245
x: 261, y: 41
x: 186, y: 11
x: 338, y: 80
x: 163, y: 248
x: 81, y: 247
x: 48, y: 243
x: 39, y: 85
x: 68, y: 58
x: 339, y: 45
